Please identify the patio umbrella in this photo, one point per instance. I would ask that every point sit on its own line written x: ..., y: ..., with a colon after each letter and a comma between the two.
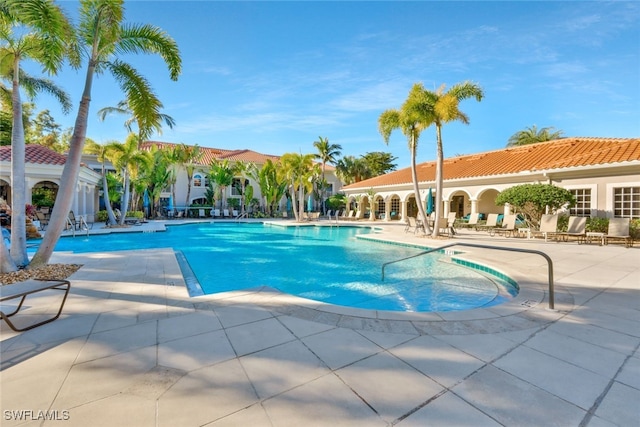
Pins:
x: 146, y: 202
x: 430, y: 202
x: 288, y: 205
x: 170, y: 205
x: 309, y: 204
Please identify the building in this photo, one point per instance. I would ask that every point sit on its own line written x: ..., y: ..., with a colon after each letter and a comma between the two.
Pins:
x: 199, y: 181
x: 43, y: 169
x: 602, y: 173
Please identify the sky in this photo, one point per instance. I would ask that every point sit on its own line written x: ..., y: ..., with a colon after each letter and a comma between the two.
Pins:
x: 275, y: 76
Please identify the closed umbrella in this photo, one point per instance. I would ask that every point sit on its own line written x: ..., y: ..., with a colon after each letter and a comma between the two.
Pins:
x: 170, y: 206
x: 309, y: 204
x: 430, y: 202
x: 146, y: 203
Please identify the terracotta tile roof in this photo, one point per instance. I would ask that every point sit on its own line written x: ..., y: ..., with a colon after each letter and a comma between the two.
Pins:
x: 35, y: 154
x: 211, y: 154
x: 544, y: 156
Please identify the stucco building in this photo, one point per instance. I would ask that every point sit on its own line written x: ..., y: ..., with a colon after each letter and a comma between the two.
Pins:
x: 602, y: 173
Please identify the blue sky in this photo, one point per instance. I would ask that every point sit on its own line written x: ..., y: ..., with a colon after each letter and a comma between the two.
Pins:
x: 274, y: 76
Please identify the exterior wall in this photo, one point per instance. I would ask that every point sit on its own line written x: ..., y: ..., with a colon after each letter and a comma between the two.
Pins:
x: 85, y: 201
x: 198, y: 192
x: 478, y: 194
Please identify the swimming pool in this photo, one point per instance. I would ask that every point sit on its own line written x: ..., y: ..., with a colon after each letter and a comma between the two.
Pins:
x: 326, y: 264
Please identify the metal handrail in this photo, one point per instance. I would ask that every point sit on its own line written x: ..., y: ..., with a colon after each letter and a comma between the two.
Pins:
x: 472, y: 245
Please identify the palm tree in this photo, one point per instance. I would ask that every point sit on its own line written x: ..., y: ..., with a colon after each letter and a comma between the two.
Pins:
x: 412, y: 118
x: 152, y: 122
x: 443, y: 108
x: 531, y: 135
x: 327, y: 153
x: 298, y: 169
x: 272, y: 184
x: 102, y: 151
x: 352, y: 169
x: 127, y: 158
x: 222, y: 174
x: 186, y: 156
x: 30, y: 30
x: 102, y: 32
x: 244, y: 169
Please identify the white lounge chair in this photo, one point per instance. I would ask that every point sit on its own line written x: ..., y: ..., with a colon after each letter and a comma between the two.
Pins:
x: 548, y: 226
x: 508, y: 227
x: 577, y: 228
x: 492, y: 222
x: 225, y: 213
x: 619, y: 230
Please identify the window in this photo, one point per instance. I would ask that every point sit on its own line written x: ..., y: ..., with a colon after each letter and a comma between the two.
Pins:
x: 626, y: 202
x: 583, y: 202
x: 381, y: 206
x: 197, y: 180
x: 395, y: 208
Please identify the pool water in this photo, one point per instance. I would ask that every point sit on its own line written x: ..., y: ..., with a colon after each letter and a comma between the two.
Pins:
x: 326, y: 264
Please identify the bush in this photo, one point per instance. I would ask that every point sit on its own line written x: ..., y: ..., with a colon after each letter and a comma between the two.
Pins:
x: 101, y: 216
x: 598, y: 225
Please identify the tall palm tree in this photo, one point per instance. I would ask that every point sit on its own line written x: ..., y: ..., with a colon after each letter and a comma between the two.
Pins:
x: 298, y: 168
x: 187, y: 156
x: 101, y: 151
x: 30, y: 30
x: 443, y: 107
x: 327, y: 153
x: 531, y: 135
x: 127, y: 158
x: 222, y: 174
x: 102, y: 33
x: 412, y: 118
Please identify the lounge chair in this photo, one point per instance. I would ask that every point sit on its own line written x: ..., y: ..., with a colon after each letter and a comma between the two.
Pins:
x: 201, y: 213
x: 492, y: 222
x: 349, y: 216
x: 451, y: 222
x: 235, y: 213
x: 215, y: 213
x: 225, y: 213
x: 359, y: 214
x: 472, y: 222
x: 72, y: 222
x: 577, y: 228
x: 23, y: 289
x: 445, y: 227
x: 619, y: 230
x: 548, y: 227
x: 508, y: 227
x: 43, y: 220
x: 413, y: 223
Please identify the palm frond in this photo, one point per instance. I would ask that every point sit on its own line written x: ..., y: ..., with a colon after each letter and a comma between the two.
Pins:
x: 151, y: 39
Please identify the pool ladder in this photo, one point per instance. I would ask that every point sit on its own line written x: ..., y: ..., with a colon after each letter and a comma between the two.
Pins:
x: 499, y: 248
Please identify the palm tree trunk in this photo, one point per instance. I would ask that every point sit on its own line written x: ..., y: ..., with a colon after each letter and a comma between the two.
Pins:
x: 124, y: 200
x: 439, y: 165
x: 416, y: 188
x: 6, y: 263
x: 105, y: 195
x: 18, y: 182
x: 69, y: 177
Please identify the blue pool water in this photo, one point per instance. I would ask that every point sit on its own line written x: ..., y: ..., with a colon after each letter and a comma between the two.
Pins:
x: 321, y: 263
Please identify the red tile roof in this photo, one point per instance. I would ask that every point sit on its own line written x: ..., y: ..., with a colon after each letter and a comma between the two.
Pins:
x: 211, y: 154
x: 544, y: 156
x: 35, y: 154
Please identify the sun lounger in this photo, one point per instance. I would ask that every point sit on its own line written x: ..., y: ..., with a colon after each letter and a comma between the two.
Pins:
x: 619, y: 230
x: 22, y: 290
x: 445, y: 226
x: 414, y: 224
x: 225, y: 213
x: 215, y: 213
x: 577, y: 228
x: 473, y: 221
x: 548, y: 227
x: 492, y: 222
x: 508, y: 227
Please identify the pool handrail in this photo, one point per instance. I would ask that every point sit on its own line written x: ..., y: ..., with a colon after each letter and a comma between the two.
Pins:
x: 473, y: 245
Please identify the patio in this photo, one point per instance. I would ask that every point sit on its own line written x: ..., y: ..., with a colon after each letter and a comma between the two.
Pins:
x: 133, y: 349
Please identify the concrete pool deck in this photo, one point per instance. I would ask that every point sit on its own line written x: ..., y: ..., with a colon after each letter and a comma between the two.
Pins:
x: 133, y: 349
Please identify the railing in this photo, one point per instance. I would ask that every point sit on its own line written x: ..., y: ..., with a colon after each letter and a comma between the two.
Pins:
x: 82, y: 225
x: 472, y: 245
x: 244, y: 215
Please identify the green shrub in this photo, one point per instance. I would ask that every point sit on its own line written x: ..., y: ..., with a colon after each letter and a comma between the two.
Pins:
x: 598, y: 225
x: 634, y: 229
x: 134, y: 214
x: 101, y: 216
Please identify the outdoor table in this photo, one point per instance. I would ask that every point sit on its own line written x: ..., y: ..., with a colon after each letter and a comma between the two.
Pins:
x: 595, y: 235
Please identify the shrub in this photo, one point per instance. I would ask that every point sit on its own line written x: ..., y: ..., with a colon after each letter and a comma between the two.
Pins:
x: 598, y: 225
